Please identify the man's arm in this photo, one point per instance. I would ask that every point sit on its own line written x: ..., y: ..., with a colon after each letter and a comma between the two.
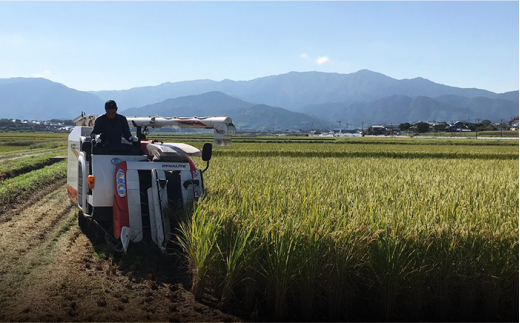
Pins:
x: 97, y: 127
x: 126, y: 129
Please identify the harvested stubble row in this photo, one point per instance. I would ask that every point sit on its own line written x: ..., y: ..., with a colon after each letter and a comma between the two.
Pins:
x: 24, y: 142
x: 15, y: 167
x: 359, y: 238
x: 19, y: 188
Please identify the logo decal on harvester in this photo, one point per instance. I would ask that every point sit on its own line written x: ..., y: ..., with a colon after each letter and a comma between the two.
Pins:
x: 115, y: 161
x: 191, y: 122
x: 184, y: 166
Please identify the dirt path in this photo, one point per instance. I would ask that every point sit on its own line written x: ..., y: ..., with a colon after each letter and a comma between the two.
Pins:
x: 49, y: 271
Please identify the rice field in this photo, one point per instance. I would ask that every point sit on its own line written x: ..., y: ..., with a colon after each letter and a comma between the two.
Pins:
x: 334, y: 229
x: 31, y: 142
x: 28, y: 164
x: 328, y: 231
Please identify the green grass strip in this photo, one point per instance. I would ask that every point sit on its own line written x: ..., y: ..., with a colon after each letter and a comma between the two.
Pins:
x: 20, y: 187
x: 6, y: 154
x: 15, y: 167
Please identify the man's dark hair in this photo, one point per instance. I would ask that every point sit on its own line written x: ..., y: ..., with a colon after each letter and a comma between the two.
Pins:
x: 110, y: 104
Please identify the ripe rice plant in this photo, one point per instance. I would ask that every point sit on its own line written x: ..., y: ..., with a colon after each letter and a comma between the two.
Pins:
x: 363, y: 238
x: 350, y: 150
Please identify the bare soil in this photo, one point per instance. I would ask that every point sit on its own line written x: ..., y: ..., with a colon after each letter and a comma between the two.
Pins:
x: 50, y: 271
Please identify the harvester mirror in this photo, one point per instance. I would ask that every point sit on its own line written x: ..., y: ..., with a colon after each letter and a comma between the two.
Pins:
x: 206, y: 151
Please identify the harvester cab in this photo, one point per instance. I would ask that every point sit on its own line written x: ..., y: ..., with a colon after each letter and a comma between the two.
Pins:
x: 140, y: 193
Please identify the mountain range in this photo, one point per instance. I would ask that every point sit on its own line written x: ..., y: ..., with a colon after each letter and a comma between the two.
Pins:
x: 246, y: 116
x: 296, y: 89
x: 296, y: 100
x: 41, y: 99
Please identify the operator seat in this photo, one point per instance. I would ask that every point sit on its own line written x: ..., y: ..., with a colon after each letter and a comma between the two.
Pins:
x: 123, y: 149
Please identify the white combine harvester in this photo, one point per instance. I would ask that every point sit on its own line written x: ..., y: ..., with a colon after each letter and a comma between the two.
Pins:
x: 130, y: 195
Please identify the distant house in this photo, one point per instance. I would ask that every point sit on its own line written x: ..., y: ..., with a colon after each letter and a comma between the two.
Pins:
x: 437, y: 126
x: 378, y: 130
x: 514, y: 125
x: 340, y: 131
x: 459, y: 126
x: 499, y: 126
x: 347, y: 133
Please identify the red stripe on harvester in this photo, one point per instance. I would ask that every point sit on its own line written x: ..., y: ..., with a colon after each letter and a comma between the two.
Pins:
x: 120, y: 209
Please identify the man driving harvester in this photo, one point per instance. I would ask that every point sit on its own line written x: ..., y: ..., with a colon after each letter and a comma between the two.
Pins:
x: 110, y: 127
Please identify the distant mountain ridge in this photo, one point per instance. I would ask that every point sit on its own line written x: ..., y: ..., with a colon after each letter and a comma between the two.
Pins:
x: 399, y: 109
x: 297, y: 89
x: 295, y: 100
x: 41, y: 99
x: 246, y: 116
x: 210, y: 103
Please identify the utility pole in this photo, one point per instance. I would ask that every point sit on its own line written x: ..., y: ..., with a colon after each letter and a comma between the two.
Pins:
x: 476, y: 127
x: 501, y: 127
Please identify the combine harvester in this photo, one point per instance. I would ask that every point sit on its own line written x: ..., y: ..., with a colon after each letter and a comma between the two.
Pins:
x: 129, y: 195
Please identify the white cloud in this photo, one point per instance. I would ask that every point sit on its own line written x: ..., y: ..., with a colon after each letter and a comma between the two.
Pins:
x: 322, y: 60
x: 46, y: 73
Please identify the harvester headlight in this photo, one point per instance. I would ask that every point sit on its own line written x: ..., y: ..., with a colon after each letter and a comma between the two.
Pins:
x: 120, y: 182
x: 121, y: 190
x: 120, y: 175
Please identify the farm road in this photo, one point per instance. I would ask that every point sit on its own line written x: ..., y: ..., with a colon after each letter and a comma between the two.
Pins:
x: 50, y: 272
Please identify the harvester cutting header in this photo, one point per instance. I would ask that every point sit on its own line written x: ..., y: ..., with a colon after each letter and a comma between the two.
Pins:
x: 129, y: 194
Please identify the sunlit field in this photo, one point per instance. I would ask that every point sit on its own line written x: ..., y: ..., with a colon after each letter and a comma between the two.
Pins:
x: 342, y: 229
x: 353, y: 231
x: 28, y: 165
x: 30, y: 142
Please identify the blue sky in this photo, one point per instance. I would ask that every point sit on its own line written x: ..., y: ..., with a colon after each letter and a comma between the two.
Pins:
x: 121, y: 45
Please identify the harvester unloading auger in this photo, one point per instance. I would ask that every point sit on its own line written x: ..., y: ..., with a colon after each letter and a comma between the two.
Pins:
x: 126, y: 194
